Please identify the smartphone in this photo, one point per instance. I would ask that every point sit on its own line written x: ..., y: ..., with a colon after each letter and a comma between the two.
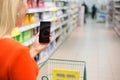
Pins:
x: 44, y: 35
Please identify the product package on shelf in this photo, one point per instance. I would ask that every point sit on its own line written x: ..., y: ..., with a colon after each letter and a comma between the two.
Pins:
x: 26, y: 19
x: 30, y: 19
x: 35, y: 4
x: 26, y: 35
x: 40, y: 4
x: 46, y: 16
x: 57, y: 39
x: 57, y: 31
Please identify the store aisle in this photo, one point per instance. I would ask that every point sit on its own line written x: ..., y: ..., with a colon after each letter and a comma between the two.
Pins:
x: 96, y: 44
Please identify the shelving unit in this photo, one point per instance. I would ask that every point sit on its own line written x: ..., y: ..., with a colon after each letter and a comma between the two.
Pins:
x: 64, y: 19
x: 109, y: 17
x: 116, y: 16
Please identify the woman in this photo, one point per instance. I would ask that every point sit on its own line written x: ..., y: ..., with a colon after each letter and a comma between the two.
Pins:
x: 16, y: 60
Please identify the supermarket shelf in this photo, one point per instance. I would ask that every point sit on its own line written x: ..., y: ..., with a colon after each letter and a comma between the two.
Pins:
x: 64, y: 0
x: 117, y: 12
x: 29, y: 42
x: 117, y: 6
x: 56, y: 18
x: 63, y: 8
x: 61, y: 41
x: 117, y: 25
x: 58, y: 34
x: 35, y: 10
x: 117, y: 31
x: 67, y: 21
x: 56, y: 43
x: 117, y: 19
x: 41, y: 62
x: 62, y: 16
x: 54, y: 28
x: 73, y: 22
x: 75, y: 16
x: 28, y: 27
x: 74, y: 12
x: 67, y: 27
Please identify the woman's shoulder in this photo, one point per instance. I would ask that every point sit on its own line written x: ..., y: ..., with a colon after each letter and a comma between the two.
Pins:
x: 11, y: 47
x: 10, y: 43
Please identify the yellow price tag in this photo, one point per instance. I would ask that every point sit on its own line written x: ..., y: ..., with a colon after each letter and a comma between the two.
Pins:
x: 15, y: 32
x: 54, y: 9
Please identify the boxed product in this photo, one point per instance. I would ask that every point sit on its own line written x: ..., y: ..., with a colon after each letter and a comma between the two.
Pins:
x: 40, y: 4
x: 26, y: 35
x: 26, y: 19
x: 49, y: 4
x: 32, y: 19
x: 29, y: 3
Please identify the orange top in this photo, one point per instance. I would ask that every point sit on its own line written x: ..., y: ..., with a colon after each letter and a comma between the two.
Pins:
x: 16, y: 62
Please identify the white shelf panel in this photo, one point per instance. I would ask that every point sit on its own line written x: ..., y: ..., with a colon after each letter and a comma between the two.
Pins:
x: 29, y: 42
x: 63, y: 8
x: 117, y: 6
x: 64, y: 15
x: 117, y: 25
x: 65, y: 22
x: 117, y: 12
x: 117, y: 31
x: 28, y: 27
x: 58, y: 34
x: 64, y: 0
x: 117, y: 18
x: 55, y: 27
x: 35, y: 10
x: 58, y: 26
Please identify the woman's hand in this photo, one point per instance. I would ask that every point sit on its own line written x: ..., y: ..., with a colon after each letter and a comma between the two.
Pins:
x: 37, y: 47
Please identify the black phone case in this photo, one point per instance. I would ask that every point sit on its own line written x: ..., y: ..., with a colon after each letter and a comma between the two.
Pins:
x: 44, y: 32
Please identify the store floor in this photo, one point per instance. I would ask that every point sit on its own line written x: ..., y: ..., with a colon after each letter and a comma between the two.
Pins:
x: 96, y: 44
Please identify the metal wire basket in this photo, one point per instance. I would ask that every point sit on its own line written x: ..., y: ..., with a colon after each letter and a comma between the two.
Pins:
x: 59, y: 69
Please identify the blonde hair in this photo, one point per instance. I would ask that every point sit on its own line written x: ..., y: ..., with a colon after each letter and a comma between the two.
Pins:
x: 7, y: 16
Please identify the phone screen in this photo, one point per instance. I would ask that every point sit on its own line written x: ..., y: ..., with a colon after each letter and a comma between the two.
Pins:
x: 44, y: 34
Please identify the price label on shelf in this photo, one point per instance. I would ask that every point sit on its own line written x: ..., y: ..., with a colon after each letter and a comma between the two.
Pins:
x: 54, y: 9
x: 15, y: 32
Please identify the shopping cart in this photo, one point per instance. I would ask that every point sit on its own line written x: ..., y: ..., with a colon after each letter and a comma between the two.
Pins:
x: 59, y: 69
